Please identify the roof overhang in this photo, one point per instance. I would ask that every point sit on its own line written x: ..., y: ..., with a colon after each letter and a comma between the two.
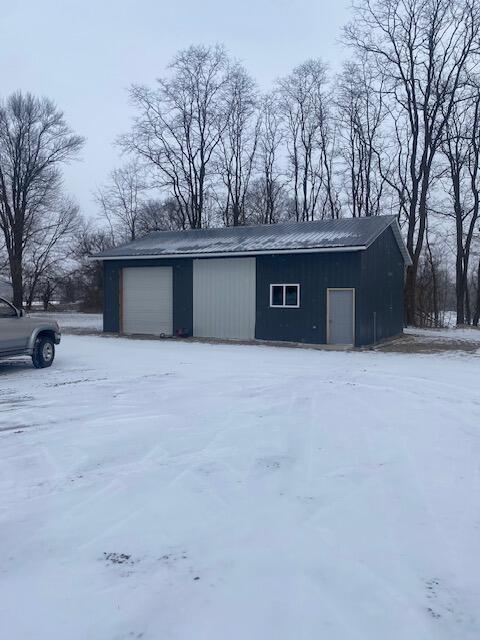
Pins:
x: 231, y: 254
x: 401, y: 243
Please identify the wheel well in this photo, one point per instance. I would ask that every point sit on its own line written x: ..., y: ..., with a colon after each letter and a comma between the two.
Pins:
x: 46, y: 333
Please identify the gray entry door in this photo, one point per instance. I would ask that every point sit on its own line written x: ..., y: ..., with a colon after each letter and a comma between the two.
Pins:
x: 147, y: 301
x: 341, y: 316
x: 224, y: 298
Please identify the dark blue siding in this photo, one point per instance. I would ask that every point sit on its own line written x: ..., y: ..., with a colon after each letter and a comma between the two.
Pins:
x: 182, y: 291
x: 377, y: 275
x: 382, y: 286
x: 315, y: 272
x: 111, y: 297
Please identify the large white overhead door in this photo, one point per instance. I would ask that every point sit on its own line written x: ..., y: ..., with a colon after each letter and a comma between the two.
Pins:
x: 224, y: 298
x: 147, y: 300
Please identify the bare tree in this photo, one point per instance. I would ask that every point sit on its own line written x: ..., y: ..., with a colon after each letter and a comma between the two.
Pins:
x: 476, y: 313
x: 268, y: 189
x: 331, y: 203
x: 180, y: 124
x: 361, y: 113
x: 159, y: 215
x: 302, y: 102
x: 461, y: 147
x: 122, y: 199
x: 34, y: 142
x: 435, y: 287
x: 238, y: 144
x: 423, y: 50
x: 50, y: 246
x: 86, y: 278
x: 4, y: 268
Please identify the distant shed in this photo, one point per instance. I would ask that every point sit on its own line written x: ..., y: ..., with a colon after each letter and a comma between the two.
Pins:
x: 324, y: 282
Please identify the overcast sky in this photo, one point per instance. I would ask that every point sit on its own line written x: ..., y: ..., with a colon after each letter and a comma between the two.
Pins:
x: 85, y: 54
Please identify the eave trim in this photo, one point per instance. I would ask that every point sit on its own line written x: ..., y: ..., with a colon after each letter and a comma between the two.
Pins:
x: 231, y: 254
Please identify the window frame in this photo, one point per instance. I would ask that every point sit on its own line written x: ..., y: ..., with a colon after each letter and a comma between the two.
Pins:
x: 284, y: 296
x: 10, y: 305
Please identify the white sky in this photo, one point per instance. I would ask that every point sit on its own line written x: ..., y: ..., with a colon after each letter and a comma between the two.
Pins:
x: 85, y: 54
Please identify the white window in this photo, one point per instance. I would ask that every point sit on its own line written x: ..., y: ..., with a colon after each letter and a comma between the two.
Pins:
x: 285, y: 295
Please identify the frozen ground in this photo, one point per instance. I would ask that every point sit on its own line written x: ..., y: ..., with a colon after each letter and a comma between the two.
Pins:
x: 471, y: 334
x: 163, y: 490
x: 73, y: 320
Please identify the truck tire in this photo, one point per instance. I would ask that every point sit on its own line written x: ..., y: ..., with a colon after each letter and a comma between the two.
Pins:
x: 43, y: 352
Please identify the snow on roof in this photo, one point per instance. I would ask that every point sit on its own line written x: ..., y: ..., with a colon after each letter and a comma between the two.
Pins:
x: 344, y: 233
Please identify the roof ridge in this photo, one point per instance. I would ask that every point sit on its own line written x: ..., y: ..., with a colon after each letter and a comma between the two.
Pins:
x: 277, y: 224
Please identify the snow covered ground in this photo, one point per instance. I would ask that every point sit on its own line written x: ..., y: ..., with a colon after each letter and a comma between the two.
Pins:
x: 174, y: 490
x: 82, y: 322
x: 74, y: 320
x: 471, y: 334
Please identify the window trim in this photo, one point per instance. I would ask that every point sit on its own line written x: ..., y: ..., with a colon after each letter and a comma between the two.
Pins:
x: 13, y: 308
x: 284, y: 286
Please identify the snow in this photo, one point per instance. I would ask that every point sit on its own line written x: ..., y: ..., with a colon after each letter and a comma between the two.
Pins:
x: 73, y: 320
x: 471, y: 334
x: 171, y: 490
x: 318, y: 234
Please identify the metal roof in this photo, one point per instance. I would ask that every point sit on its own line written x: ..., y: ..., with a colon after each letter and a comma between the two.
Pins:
x: 344, y: 234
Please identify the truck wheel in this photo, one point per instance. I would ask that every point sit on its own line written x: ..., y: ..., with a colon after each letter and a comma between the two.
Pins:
x: 43, y: 352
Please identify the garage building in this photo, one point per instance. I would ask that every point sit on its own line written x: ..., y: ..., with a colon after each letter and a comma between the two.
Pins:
x: 324, y: 282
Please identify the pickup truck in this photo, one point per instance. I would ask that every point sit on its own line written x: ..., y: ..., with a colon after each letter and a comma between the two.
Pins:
x: 23, y: 335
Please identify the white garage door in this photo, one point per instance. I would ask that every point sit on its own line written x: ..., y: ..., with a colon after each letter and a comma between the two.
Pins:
x: 224, y: 298
x: 147, y: 300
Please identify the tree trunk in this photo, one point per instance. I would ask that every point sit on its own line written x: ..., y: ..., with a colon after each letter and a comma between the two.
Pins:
x: 411, y: 295
x: 476, y: 317
x: 433, y: 271
x: 17, y: 281
x: 468, y: 311
x: 460, y: 281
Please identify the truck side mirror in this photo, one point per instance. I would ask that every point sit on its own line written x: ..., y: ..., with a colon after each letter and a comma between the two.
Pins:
x: 20, y: 313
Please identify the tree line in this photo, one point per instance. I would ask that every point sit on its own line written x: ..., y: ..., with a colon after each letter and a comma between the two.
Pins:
x: 395, y: 131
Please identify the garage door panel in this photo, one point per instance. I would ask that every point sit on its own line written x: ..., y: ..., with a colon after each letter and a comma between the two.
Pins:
x: 224, y: 298
x: 148, y: 300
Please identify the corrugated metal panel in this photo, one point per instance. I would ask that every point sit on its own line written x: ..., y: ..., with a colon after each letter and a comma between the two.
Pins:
x: 380, y: 312
x: 315, y: 273
x: 224, y: 298
x: 147, y: 301
x: 293, y: 236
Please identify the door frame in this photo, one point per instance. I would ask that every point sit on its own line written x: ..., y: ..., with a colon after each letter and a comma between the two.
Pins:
x: 352, y: 289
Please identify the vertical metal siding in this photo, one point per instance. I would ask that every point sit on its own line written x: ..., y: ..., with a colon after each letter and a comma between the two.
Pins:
x: 224, y: 298
x: 315, y: 273
x: 111, y: 304
x: 383, y: 271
